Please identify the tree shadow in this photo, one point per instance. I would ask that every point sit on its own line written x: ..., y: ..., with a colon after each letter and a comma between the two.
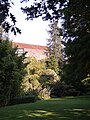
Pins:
x: 47, y: 110
x: 65, y: 114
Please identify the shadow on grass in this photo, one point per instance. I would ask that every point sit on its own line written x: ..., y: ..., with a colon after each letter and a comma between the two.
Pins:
x: 58, y: 109
x: 67, y: 114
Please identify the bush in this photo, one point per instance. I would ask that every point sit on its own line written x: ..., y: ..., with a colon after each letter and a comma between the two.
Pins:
x: 22, y: 100
x: 61, y: 89
x: 12, y: 71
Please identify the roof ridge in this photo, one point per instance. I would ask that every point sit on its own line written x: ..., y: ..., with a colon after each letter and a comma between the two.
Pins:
x: 32, y: 46
x: 28, y: 44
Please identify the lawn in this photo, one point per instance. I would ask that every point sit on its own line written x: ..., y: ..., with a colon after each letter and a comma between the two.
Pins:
x: 68, y: 108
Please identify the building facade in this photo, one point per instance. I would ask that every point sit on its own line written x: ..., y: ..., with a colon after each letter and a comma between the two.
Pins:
x: 37, y: 51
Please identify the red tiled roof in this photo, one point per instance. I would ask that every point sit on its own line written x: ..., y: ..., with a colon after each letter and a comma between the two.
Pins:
x: 24, y: 45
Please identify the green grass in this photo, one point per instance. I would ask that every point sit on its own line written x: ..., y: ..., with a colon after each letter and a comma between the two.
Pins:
x: 69, y: 108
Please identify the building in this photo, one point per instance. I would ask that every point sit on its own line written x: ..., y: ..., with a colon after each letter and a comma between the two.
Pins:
x: 37, y: 51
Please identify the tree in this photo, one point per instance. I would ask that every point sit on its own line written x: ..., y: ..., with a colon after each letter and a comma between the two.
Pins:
x: 38, y: 79
x: 11, y: 72
x: 49, y: 9
x: 77, y: 35
x: 1, y: 32
x: 76, y: 31
x: 34, y: 70
x: 5, y: 6
x: 48, y: 78
x: 38, y: 8
x: 55, y: 59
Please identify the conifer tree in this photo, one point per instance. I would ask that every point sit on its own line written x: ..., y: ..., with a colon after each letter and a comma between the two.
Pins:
x: 11, y: 72
x: 54, y: 59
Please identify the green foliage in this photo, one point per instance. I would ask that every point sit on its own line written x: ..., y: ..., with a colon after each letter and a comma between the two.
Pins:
x: 86, y: 83
x: 49, y: 9
x: 60, y: 89
x: 38, y: 79
x: 54, y: 48
x: 48, y: 77
x: 38, y: 8
x: 77, y: 50
x: 52, y: 63
x: 5, y: 6
x: 76, y: 15
x: 11, y: 72
x: 75, y: 29
x: 22, y: 100
x: 34, y: 70
x: 31, y: 82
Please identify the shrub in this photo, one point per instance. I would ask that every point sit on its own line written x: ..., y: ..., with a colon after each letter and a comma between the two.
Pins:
x: 12, y: 70
x: 61, y: 89
x: 22, y: 100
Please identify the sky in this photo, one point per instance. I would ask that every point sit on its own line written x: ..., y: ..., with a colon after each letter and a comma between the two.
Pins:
x: 33, y: 32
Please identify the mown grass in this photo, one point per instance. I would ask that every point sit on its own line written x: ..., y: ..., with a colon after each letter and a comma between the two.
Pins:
x: 69, y: 108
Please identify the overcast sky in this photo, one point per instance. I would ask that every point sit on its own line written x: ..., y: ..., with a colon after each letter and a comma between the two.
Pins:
x: 33, y: 32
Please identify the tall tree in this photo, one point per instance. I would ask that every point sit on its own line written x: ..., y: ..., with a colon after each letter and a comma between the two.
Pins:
x: 54, y: 60
x: 77, y: 35
x: 11, y: 72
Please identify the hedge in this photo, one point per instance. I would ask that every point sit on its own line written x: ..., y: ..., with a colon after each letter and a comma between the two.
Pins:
x: 22, y: 100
